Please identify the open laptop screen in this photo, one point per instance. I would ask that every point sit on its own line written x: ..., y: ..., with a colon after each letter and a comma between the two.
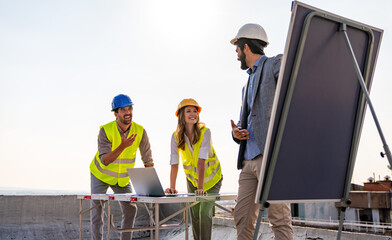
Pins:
x: 145, y: 182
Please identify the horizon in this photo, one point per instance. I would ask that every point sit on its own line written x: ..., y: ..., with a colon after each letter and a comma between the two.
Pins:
x: 61, y: 64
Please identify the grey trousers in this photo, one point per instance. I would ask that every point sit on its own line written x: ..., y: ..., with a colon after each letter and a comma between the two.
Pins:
x: 96, y: 216
x: 245, y: 211
x: 201, y: 214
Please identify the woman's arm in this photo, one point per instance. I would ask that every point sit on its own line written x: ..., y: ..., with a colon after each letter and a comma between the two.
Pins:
x: 173, y: 179
x: 200, y: 172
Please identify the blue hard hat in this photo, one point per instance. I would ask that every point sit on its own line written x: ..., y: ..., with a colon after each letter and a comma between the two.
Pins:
x: 121, y: 100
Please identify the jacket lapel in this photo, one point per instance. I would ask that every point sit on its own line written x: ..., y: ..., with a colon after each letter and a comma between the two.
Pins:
x: 258, y: 73
x: 244, y: 108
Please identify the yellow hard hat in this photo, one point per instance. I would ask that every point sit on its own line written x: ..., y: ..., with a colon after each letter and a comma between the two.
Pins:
x: 188, y: 102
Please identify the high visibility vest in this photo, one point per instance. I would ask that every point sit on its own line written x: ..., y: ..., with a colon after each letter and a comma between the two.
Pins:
x: 116, y: 172
x: 212, y: 172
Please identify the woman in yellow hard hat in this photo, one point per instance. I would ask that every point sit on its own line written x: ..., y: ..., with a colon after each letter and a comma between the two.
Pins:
x: 192, y: 141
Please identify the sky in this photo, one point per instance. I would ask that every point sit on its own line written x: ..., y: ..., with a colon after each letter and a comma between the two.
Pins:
x: 62, y: 62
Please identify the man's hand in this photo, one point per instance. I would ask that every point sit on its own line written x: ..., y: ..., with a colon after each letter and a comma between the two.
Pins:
x: 126, y: 142
x: 112, y: 156
x: 240, y: 134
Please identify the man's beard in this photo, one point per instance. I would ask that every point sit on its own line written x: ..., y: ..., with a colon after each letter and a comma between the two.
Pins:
x: 243, y: 63
x: 126, y: 121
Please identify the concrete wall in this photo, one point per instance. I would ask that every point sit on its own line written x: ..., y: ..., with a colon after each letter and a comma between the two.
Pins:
x: 365, y: 199
x: 321, y: 210
x: 57, y: 217
x: 39, y: 209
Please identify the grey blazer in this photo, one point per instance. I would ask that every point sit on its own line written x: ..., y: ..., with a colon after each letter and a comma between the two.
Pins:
x: 266, y: 77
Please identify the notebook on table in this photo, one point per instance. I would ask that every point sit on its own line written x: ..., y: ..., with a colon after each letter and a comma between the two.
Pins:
x: 145, y: 182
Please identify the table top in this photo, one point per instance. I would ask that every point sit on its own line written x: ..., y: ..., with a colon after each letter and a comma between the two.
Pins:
x: 179, y: 198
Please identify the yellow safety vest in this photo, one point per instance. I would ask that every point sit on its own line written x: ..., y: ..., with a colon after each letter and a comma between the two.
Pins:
x: 213, y: 171
x: 116, y: 172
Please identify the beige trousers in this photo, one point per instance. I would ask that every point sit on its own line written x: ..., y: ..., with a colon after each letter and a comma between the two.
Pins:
x: 245, y: 212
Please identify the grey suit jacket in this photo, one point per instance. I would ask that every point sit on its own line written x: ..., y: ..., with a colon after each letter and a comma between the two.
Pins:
x: 266, y: 77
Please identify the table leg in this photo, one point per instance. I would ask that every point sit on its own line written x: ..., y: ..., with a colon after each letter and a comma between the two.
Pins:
x: 156, y: 221
x: 151, y: 222
x: 108, y: 231
x: 186, y: 220
x: 80, y: 220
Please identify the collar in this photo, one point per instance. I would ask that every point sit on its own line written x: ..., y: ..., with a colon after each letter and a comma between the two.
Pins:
x: 250, y: 71
x: 120, y: 130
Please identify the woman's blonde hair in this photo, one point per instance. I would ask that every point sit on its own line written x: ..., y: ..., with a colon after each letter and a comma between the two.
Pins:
x: 181, y: 130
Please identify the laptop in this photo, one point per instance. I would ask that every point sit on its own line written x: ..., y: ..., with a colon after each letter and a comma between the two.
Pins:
x: 145, y: 182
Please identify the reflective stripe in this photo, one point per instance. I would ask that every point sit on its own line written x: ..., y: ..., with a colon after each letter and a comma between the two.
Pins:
x: 125, y: 160
x: 191, y: 178
x: 188, y: 167
x: 212, y: 172
x: 211, y: 163
x: 105, y: 171
x: 212, y: 175
x: 206, y: 178
x: 116, y: 172
x: 108, y: 172
x: 123, y: 175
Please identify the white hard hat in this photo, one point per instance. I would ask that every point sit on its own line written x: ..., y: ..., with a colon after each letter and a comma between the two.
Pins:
x: 251, y: 31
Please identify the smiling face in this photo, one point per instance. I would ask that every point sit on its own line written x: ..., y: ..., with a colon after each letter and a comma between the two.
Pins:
x: 124, y: 115
x: 191, y: 116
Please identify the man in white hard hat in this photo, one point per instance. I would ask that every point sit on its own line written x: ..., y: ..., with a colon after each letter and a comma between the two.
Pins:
x: 118, y: 142
x: 251, y: 131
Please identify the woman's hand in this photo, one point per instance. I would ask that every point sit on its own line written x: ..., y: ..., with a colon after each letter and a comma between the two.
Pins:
x: 171, y: 190
x: 200, y: 191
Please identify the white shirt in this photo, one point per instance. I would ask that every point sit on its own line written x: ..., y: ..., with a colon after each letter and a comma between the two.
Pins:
x: 204, y: 152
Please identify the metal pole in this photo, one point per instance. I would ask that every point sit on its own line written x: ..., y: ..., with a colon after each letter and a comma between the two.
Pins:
x: 80, y: 220
x: 259, y: 217
x: 186, y: 220
x: 342, y: 215
x: 366, y: 93
x: 109, y: 216
x: 156, y: 221
x: 151, y: 221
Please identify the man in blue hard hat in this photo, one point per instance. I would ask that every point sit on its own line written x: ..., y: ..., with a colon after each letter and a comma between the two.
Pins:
x: 118, y: 142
